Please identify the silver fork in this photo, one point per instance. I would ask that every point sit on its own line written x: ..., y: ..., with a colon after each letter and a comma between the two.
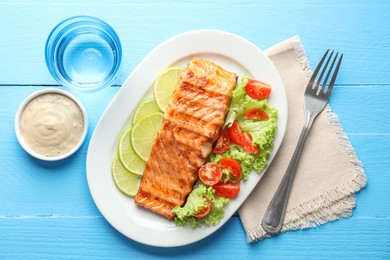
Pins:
x: 315, y: 99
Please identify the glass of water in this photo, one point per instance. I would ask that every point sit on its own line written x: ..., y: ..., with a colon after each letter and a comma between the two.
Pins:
x: 83, y: 53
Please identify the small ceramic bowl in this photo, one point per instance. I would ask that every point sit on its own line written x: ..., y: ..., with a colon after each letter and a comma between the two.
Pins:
x: 51, y: 124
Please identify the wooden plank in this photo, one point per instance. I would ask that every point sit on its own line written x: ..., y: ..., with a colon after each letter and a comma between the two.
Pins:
x: 93, y: 237
x: 372, y: 150
x: 359, y: 111
x: 356, y: 28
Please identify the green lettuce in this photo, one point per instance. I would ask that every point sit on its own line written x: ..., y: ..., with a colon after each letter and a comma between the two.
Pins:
x: 236, y: 152
x: 195, y: 201
x: 238, y: 95
x: 262, y: 132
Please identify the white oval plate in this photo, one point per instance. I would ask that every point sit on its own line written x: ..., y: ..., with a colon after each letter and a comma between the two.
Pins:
x: 230, y: 51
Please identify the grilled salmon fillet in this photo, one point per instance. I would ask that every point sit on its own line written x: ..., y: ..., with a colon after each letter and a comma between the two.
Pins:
x: 192, y: 123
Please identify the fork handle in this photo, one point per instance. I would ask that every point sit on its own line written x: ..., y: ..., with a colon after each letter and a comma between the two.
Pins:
x: 276, y: 211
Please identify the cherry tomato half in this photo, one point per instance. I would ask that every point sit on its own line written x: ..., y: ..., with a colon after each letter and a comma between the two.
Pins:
x: 246, y: 143
x: 222, y: 143
x: 256, y: 114
x: 210, y: 173
x: 232, y: 166
x: 204, y: 211
x: 227, y: 189
x: 235, y: 132
x: 257, y: 89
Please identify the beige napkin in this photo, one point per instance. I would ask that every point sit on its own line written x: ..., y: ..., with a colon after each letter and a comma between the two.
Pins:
x: 329, y: 172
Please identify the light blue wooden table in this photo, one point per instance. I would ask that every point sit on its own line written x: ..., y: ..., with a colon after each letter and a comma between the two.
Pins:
x: 46, y: 210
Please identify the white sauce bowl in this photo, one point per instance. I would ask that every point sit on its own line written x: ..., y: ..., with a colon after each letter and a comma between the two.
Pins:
x: 21, y: 138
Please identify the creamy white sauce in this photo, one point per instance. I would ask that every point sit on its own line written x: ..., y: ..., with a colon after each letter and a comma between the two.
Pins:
x: 52, y: 124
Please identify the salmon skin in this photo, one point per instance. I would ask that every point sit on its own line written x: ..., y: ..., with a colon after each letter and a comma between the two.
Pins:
x: 191, y: 125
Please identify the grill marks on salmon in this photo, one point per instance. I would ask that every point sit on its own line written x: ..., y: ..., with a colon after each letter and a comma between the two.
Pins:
x: 192, y: 122
x: 190, y: 109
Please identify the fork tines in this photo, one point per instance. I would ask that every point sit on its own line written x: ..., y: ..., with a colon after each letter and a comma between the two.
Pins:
x: 326, y: 88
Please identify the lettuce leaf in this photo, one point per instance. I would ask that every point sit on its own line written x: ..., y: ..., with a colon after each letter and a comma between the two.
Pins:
x: 236, y: 152
x: 195, y: 201
x: 238, y: 95
x: 262, y: 132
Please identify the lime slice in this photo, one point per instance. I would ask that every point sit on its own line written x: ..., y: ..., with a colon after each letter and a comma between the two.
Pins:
x: 124, y: 180
x: 128, y: 157
x: 144, y: 132
x: 147, y: 106
x: 165, y: 85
